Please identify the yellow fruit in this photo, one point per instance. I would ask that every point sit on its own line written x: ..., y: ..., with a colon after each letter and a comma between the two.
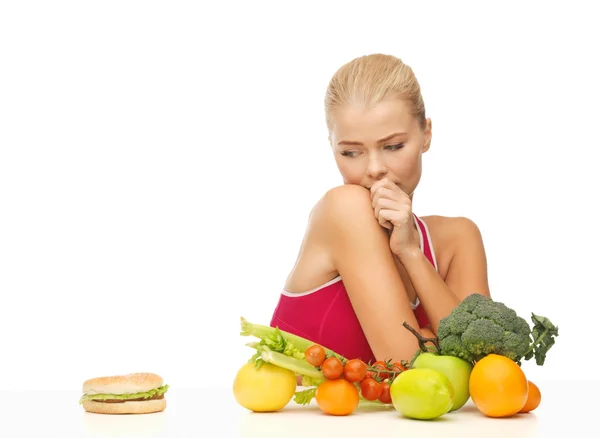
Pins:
x: 267, y: 389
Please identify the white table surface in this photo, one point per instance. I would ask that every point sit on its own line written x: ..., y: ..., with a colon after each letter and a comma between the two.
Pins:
x: 566, y: 408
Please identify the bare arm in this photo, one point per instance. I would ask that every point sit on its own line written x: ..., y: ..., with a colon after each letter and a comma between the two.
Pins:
x: 360, y: 251
x: 467, y: 273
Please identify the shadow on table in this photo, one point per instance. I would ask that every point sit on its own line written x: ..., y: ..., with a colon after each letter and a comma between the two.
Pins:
x: 139, y: 425
x: 300, y: 422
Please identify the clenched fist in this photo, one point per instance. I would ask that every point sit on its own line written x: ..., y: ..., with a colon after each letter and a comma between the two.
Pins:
x: 393, y: 210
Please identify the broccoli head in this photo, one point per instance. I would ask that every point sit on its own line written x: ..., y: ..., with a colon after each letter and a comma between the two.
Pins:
x: 479, y: 326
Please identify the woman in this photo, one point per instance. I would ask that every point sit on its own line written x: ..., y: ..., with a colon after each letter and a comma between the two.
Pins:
x: 367, y: 262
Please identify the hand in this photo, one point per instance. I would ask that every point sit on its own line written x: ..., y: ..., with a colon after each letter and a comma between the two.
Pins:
x: 393, y: 210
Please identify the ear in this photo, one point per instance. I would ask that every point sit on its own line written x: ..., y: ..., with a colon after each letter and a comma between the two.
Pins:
x: 428, y: 133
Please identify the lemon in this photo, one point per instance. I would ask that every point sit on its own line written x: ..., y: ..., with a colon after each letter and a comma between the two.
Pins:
x: 266, y: 389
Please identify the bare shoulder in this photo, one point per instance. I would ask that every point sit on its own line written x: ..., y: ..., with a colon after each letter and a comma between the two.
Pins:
x: 342, y: 197
x: 450, y: 235
x: 462, y: 258
x: 332, y: 212
x: 451, y: 227
x: 340, y: 206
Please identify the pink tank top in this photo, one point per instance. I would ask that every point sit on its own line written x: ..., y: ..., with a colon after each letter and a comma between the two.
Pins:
x: 325, y: 315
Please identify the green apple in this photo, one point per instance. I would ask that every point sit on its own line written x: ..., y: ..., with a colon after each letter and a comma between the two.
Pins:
x: 457, y: 370
x: 422, y: 394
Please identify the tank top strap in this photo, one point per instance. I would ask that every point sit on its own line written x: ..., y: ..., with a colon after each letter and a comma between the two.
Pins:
x: 426, y: 245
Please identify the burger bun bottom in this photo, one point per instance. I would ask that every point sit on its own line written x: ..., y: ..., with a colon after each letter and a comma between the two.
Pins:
x: 128, y: 407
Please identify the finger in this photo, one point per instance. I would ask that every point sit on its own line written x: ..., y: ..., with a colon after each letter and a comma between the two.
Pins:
x: 385, y: 223
x: 385, y: 193
x: 388, y: 225
x: 388, y: 204
x: 380, y: 193
x: 385, y: 182
x: 375, y: 186
x: 385, y: 203
x: 396, y: 217
x: 383, y: 219
x: 393, y: 187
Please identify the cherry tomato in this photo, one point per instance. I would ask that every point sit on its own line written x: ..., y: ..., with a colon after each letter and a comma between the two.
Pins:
x: 380, y: 366
x: 355, y: 370
x: 332, y: 368
x: 315, y: 355
x: 385, y: 396
x: 399, y: 365
x: 370, y: 389
x: 397, y: 368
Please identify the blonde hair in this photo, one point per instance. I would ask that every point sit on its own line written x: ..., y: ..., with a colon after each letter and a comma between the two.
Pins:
x: 370, y: 79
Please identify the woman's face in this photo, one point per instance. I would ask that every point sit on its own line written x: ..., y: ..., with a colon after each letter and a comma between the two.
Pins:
x: 385, y: 141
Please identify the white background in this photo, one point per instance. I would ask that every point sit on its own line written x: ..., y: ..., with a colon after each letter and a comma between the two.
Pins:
x: 158, y: 161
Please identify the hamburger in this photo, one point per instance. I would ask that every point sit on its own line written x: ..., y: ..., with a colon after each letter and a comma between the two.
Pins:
x: 137, y: 393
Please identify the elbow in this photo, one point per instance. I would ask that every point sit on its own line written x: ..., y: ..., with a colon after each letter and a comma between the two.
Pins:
x: 397, y: 353
x: 405, y: 347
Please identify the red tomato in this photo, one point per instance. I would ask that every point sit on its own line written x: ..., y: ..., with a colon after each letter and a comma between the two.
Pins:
x: 332, y: 368
x: 370, y: 389
x: 315, y: 355
x: 355, y: 370
x: 381, y: 367
x: 385, y: 396
x: 397, y: 368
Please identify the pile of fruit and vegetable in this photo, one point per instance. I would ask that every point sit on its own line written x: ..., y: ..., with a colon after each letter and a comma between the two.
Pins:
x: 477, y: 354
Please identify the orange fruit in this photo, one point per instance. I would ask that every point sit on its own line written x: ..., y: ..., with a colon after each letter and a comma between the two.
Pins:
x: 534, y: 398
x: 498, y: 386
x: 337, y: 397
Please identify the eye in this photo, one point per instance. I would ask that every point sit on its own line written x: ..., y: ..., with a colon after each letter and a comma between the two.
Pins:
x: 348, y: 153
x: 394, y: 147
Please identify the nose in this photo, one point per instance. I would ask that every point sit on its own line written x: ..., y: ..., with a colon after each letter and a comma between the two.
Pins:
x: 376, y: 168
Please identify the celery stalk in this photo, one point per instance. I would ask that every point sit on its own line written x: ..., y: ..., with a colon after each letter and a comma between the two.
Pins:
x: 289, y: 363
x: 263, y: 331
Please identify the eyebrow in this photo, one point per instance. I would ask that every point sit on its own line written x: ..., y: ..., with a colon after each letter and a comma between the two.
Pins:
x: 357, y: 143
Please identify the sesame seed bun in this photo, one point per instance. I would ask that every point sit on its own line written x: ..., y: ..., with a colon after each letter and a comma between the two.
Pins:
x: 125, y: 384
